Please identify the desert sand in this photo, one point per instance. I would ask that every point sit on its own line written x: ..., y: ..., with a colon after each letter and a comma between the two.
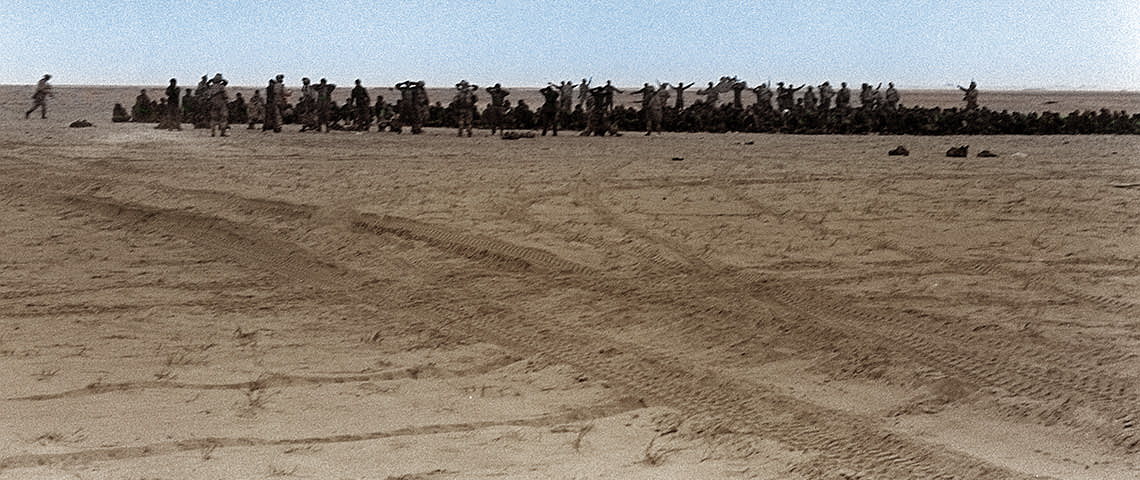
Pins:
x: 683, y: 306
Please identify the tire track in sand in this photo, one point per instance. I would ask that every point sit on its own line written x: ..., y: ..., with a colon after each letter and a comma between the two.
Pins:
x: 1038, y: 373
x: 839, y: 441
x: 207, y: 444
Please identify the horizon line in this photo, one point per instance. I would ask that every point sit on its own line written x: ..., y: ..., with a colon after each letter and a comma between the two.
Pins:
x: 1060, y: 88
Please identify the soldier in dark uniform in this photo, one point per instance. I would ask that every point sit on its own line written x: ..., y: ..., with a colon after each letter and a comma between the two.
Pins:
x: 239, y: 111
x: 119, y: 114
x: 811, y: 101
x: 422, y: 106
x: 608, y: 97
x: 281, y: 97
x: 413, y: 106
x: 383, y: 113
x: 189, y: 107
x: 172, y: 117
x: 323, y: 92
x: 712, y: 95
x: 843, y: 97
x: 597, y: 123
x: 737, y: 91
x: 362, y: 104
x: 495, y: 113
x: 272, y: 108
x: 680, y: 88
x: 763, y: 97
x: 306, y: 108
x: 404, y: 108
x: 201, y: 104
x: 785, y: 96
x: 141, y: 111
x: 548, y: 113
x: 646, y: 93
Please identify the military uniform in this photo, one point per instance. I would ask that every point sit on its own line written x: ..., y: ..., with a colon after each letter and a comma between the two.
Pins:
x: 763, y: 97
x: 172, y: 117
x: 323, y: 101
x: 464, y: 104
x: 494, y: 115
x: 680, y: 88
x: 39, y: 97
x: 219, y: 109
x: 892, y: 97
x: 548, y: 113
x: 655, y: 111
x: 971, y: 96
x: 272, y: 108
x: 362, y: 104
x: 256, y: 109
x: 825, y: 95
x: 843, y: 97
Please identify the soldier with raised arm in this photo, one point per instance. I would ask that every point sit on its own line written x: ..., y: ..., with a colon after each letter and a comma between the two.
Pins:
x: 219, y: 108
x: 763, y: 97
x: 464, y: 105
x: 646, y: 93
x: 655, y: 111
x: 712, y: 95
x: 680, y: 89
x: 550, y: 109
x: 608, y: 97
x: 565, y: 98
x: 583, y: 92
x: 971, y: 96
x: 496, y: 111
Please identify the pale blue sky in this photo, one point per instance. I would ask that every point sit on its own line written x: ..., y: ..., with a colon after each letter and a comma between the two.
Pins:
x: 921, y: 43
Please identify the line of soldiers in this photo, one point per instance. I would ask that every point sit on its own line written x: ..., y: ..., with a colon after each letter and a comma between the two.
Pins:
x: 208, y: 106
x: 594, y: 113
x: 787, y: 108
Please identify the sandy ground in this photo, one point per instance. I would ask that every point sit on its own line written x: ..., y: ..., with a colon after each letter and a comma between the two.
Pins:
x: 381, y: 306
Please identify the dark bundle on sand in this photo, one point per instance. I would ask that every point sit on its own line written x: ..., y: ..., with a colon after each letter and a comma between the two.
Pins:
x: 899, y: 151
x: 517, y: 135
x: 81, y: 124
x: 958, y: 152
x: 986, y: 154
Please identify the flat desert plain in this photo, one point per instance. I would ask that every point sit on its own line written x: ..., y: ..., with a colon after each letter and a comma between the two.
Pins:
x: 683, y: 306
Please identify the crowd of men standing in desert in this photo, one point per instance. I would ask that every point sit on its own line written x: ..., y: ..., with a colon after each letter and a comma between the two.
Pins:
x: 729, y: 104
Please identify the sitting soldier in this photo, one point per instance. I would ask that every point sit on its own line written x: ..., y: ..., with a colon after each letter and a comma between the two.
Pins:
x: 119, y: 114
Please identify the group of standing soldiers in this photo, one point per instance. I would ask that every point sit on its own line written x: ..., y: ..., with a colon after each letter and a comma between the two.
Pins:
x: 207, y: 106
x: 210, y: 106
x: 316, y: 110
